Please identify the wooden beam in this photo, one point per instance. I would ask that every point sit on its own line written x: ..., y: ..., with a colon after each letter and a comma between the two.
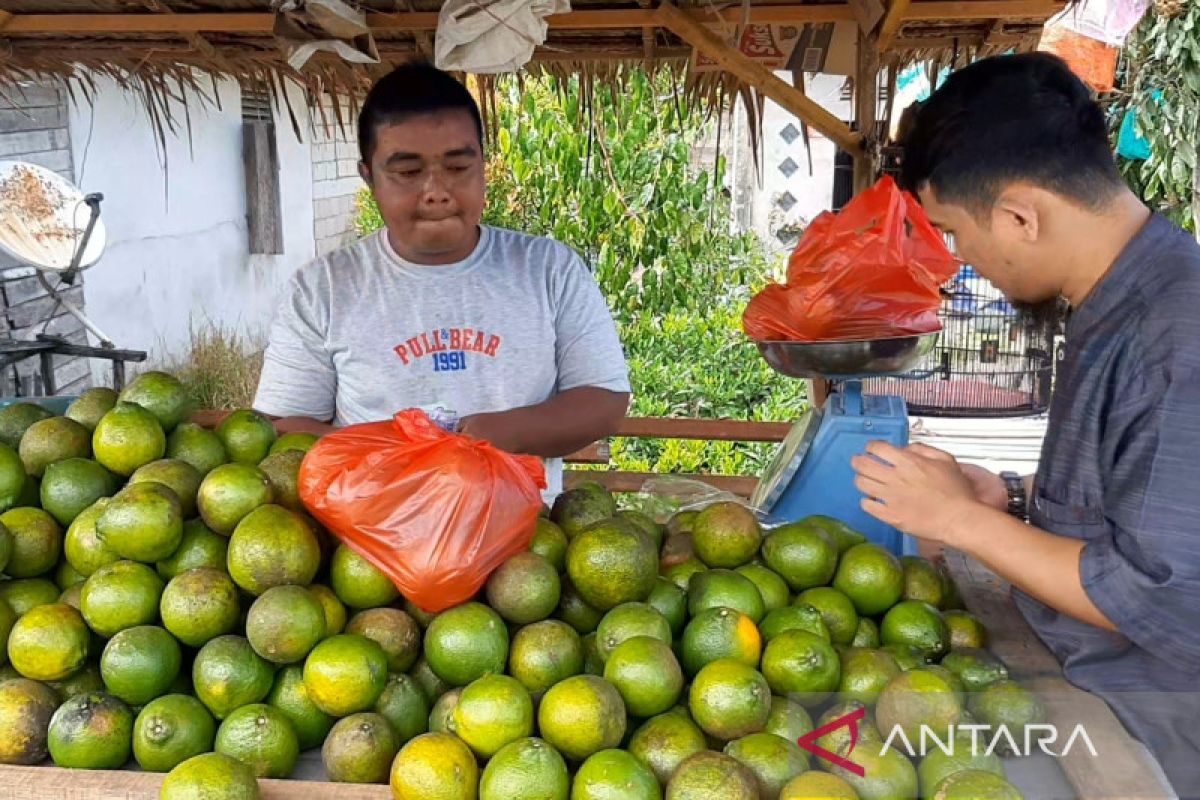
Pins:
x: 867, y: 13
x: 866, y: 110
x: 756, y: 75
x: 618, y: 481
x: 5, y: 18
x: 724, y: 430
x: 891, y: 23
x: 624, y: 19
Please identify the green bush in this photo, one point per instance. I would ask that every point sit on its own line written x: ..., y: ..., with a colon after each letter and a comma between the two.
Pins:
x: 608, y: 172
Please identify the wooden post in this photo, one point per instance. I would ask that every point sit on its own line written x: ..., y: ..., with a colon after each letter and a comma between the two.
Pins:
x: 866, y: 105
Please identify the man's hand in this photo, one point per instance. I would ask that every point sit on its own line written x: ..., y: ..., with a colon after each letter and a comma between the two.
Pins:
x: 493, y: 428
x: 988, y: 486
x: 567, y: 422
x: 919, y: 490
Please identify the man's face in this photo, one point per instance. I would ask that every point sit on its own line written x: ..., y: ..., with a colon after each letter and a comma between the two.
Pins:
x: 1002, y: 246
x: 427, y: 175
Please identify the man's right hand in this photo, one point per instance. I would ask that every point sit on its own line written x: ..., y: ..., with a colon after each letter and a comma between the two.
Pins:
x: 989, y: 487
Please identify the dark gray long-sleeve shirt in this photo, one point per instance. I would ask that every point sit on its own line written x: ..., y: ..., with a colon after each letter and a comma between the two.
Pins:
x: 1120, y: 469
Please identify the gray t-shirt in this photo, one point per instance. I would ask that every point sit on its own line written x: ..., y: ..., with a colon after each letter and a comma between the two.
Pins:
x: 361, y: 334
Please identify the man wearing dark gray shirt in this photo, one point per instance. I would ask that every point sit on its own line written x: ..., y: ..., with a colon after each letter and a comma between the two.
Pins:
x: 1011, y: 158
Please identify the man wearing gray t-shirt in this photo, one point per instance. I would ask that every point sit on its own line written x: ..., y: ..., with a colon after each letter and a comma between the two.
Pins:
x: 506, y: 331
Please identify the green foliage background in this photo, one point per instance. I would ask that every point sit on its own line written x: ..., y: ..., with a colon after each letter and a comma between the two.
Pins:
x: 609, y: 173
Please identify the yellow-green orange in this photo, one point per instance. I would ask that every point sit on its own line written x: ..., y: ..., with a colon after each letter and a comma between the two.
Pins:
x: 199, y: 605
x: 66, y: 576
x: 965, y: 629
x: 611, y: 563
x: 283, y: 473
x: 91, y: 731
x: 197, y: 446
x: 25, y: 594
x: 772, y: 760
x: 12, y: 477
x: 915, y: 699
x: 666, y: 741
x: 720, y: 633
x: 545, y: 653
x: 272, y: 547
x: 441, y: 716
x: 922, y: 581
x: 842, y: 534
x: 1004, y: 703
x: 359, y: 749
x: 345, y: 674
x: 70, y: 487
x: 802, y: 666
x: 581, y: 716
x: 976, y: 668
x: 7, y: 618
x: 162, y: 395
x: 550, y: 543
x: 975, y: 784
x: 772, y: 588
x: 612, y: 774
x: 938, y: 764
x: 228, y: 674
x: 290, y: 695
x: 179, y: 476
x: 919, y: 624
x: 647, y: 675
x: 680, y: 573
x: 285, y: 623
x: 726, y: 535
x: 25, y: 710
x: 51, y: 440
x: 837, y: 611
x: 91, y: 406
x: 578, y: 508
x: 49, y: 642
x: 887, y: 773
x: 404, y: 705
x: 871, y: 577
x: 493, y: 711
x: 395, y: 631
x: 119, y: 596
x: 627, y: 621
x: 357, y: 583
x: 804, y: 555
x: 302, y: 442
x: 867, y: 634
x: 817, y: 785
x: 170, y: 730
x: 527, y: 769
x: 865, y: 673
x: 575, y: 611
x: 143, y: 522
x: 723, y: 588
x: 729, y: 699
x: 433, y: 686
x: 17, y: 418
x: 128, y: 437
x: 465, y: 643
x: 79, y: 682
x: 335, y: 612
x: 36, y: 542
x: 798, y: 617
x: 261, y: 738
x: 199, y: 776
x: 709, y: 775
x: 228, y: 493
x: 670, y: 601
x: 247, y: 436
x: 787, y: 719
x: 435, y: 766
x: 199, y: 547
x: 524, y: 589
x: 140, y: 664
x: 83, y: 548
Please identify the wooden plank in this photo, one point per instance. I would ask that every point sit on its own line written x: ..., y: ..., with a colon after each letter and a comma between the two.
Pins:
x: 5, y: 18
x: 264, y: 223
x: 867, y: 13
x: 725, y: 430
x: 619, y: 481
x: 260, y: 23
x: 1120, y: 768
x: 891, y: 23
x: 757, y: 76
x: 866, y: 109
x: 37, y: 311
x: 20, y: 120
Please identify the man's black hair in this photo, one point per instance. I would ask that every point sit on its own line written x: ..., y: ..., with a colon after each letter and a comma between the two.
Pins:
x: 1010, y: 118
x: 411, y: 90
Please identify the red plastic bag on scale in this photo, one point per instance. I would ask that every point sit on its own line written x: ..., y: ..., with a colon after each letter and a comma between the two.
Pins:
x: 434, y: 511
x: 872, y: 271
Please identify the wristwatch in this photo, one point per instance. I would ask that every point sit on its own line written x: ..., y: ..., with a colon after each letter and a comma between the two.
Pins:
x: 1018, y: 499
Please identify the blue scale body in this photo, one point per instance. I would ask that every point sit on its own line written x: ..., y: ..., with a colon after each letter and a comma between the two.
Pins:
x: 811, y: 473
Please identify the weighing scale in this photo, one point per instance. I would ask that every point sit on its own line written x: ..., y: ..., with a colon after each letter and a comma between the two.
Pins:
x: 811, y: 472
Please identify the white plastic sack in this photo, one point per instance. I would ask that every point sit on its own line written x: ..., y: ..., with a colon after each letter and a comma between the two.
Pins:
x: 492, y: 36
x: 1108, y: 21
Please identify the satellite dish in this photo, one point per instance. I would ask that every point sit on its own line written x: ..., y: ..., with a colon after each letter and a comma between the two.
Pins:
x: 46, y: 222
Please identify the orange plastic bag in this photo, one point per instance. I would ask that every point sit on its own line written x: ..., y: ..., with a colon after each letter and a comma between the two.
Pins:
x: 1092, y: 61
x: 434, y: 511
x: 873, y: 271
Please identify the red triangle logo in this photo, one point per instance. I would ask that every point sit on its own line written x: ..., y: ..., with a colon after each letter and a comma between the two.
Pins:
x: 809, y: 741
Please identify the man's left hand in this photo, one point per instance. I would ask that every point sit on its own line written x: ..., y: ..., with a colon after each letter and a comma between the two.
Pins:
x: 495, y: 427
x: 917, y: 489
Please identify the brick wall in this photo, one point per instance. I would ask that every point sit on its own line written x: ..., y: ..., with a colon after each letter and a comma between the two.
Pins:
x: 335, y: 179
x: 33, y: 128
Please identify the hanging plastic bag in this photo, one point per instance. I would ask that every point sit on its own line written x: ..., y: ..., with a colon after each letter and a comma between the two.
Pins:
x: 872, y: 271
x: 435, y: 511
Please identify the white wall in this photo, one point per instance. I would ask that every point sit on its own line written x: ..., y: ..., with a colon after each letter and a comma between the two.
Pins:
x: 177, y: 244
